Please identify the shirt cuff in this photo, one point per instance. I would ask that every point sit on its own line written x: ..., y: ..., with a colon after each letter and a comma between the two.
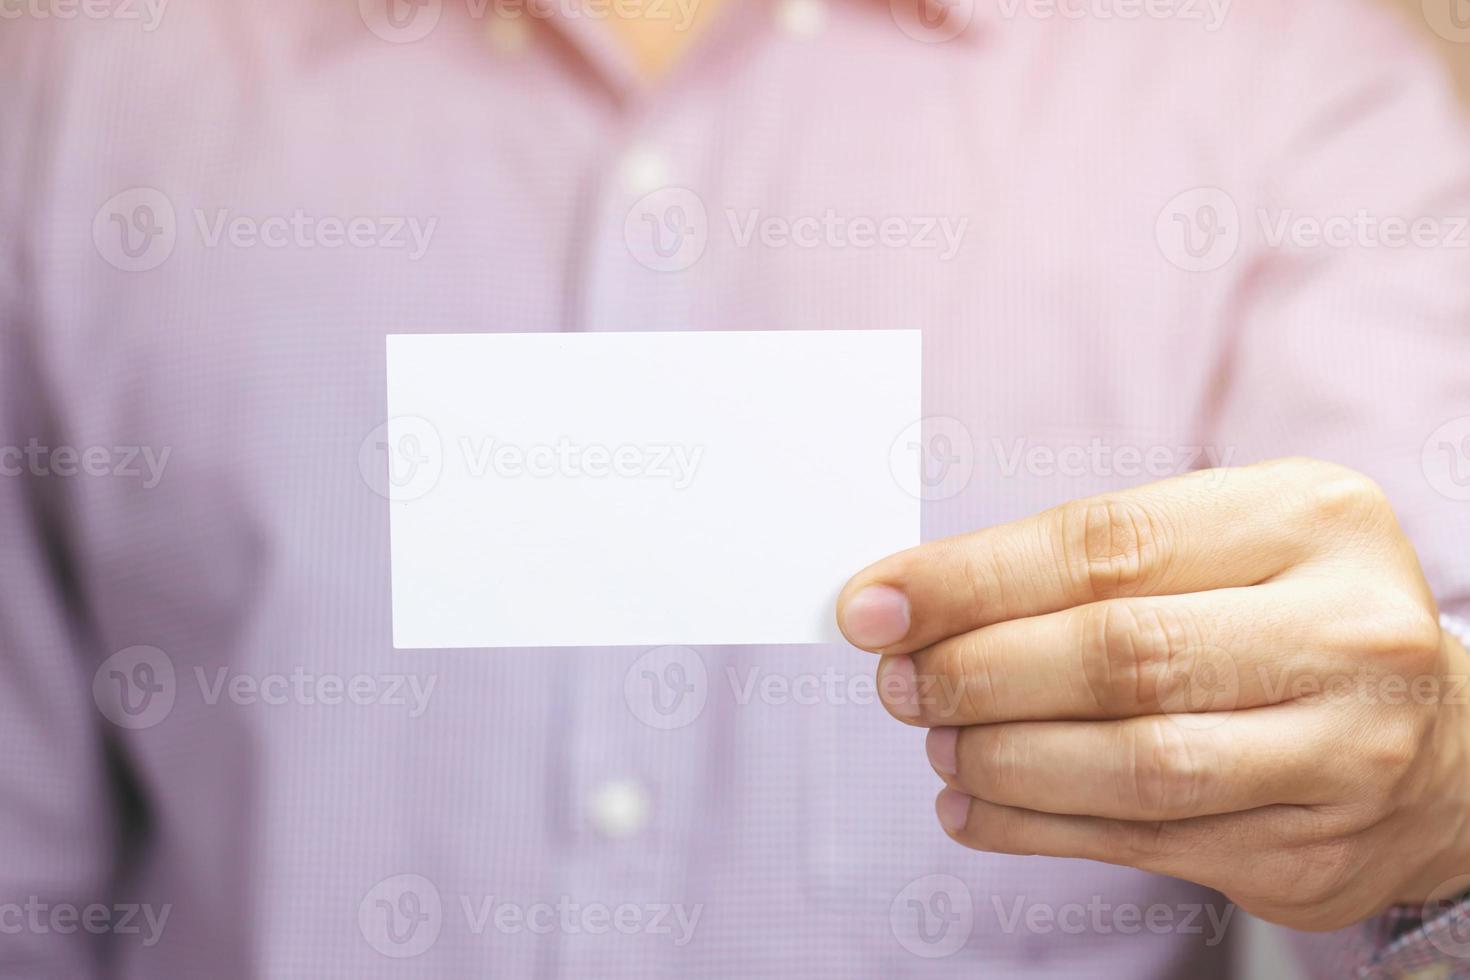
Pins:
x: 1416, y: 947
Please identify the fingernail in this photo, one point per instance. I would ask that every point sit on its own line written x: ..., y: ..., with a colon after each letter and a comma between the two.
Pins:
x: 940, y: 745
x: 953, y: 808
x: 878, y: 616
x: 898, y: 685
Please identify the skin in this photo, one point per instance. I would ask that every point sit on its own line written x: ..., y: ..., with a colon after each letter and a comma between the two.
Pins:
x: 657, y: 33
x: 1235, y: 677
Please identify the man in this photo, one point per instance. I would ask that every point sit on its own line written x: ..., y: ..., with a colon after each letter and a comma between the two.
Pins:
x: 1140, y: 242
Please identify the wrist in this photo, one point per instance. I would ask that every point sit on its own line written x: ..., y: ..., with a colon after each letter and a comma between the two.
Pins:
x: 1447, y: 868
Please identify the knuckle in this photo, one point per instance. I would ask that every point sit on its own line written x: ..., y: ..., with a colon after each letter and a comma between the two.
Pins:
x: 995, y: 760
x: 1005, y: 831
x: 1378, y: 808
x: 1112, y: 545
x: 1396, y: 632
x: 1307, y: 827
x: 1340, y: 495
x: 955, y: 684
x: 1411, y: 628
x: 1166, y: 773
x: 1139, y: 844
x: 973, y: 580
x: 1400, y: 742
x: 1129, y: 652
x: 1323, y: 871
x: 1422, y: 631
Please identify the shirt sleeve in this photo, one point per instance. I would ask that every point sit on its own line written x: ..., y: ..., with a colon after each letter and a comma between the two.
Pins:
x: 58, y: 810
x: 1350, y: 338
x: 1350, y: 332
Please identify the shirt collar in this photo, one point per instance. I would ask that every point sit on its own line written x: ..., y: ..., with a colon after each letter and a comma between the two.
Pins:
x: 941, y: 23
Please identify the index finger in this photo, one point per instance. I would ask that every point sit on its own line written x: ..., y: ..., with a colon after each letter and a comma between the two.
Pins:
x: 1187, y: 534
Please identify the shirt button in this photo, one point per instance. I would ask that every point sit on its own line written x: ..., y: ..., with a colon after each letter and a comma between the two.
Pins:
x: 619, y: 808
x: 644, y: 170
x: 802, y: 18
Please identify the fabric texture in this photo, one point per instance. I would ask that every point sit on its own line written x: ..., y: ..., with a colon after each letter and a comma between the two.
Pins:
x: 206, y: 230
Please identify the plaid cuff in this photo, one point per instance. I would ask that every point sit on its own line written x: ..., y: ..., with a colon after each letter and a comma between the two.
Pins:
x: 1412, y: 946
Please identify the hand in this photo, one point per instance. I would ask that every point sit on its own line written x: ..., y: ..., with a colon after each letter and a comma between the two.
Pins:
x: 1235, y: 677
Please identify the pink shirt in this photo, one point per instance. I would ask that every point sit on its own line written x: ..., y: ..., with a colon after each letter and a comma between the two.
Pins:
x: 1135, y: 245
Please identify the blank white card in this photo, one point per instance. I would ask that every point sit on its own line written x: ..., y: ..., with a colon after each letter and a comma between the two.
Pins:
x: 627, y: 489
